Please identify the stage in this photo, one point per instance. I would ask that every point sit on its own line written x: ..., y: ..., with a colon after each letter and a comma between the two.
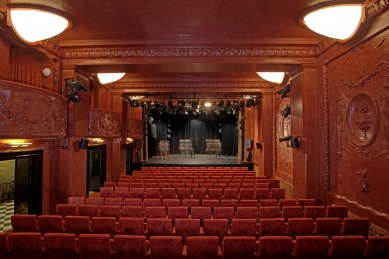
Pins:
x: 197, y: 160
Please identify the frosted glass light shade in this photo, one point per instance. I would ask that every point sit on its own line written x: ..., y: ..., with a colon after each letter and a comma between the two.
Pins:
x: 34, y: 25
x: 338, y: 22
x: 106, y: 78
x: 275, y: 77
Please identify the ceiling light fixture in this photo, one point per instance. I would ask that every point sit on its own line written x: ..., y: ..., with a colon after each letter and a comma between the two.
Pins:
x: 275, y: 77
x: 106, y: 78
x: 340, y: 22
x: 34, y: 24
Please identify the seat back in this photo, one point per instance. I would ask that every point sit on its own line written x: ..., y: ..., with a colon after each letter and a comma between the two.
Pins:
x: 202, y: 247
x: 77, y: 225
x: 199, y: 193
x: 168, y: 193
x: 337, y: 212
x: 122, y: 192
x: 223, y: 213
x: 306, y: 202
x: 178, y: 213
x: 355, y: 226
x: 292, y: 212
x: 249, y: 203
x: 279, y: 247
x: 104, y: 225
x: 60, y: 246
x: 311, y: 247
x: 76, y: 200
x: 24, y: 223
x: 136, y: 192
x: 272, y: 227
x: 110, y: 211
x: 246, y: 213
x: 274, y: 183
x: 328, y: 227
x: 187, y: 227
x: 131, y: 226
x: 148, y: 202
x: 210, y: 203
x: 287, y: 202
x: 269, y: 212
x: 99, y: 201
x: 215, y: 194
x: 314, y: 212
x: 88, y: 210
x: 110, y: 184
x: 189, y: 203
x: 299, y: 227
x: 231, y: 193
x: 347, y: 247
x: 277, y: 193
x: 162, y: 247
x: 26, y: 245
x: 107, y: 192
x: 132, y: 212
x: 216, y: 227
x: 152, y: 193
x: 201, y: 213
x: 132, y: 202
x: 51, y: 224
x: 184, y: 193
x: 114, y: 202
x: 246, y: 193
x: 97, y: 246
x: 268, y: 202
x: 159, y: 227
x: 377, y: 247
x: 244, y: 227
x: 238, y: 247
x: 4, y: 248
x: 129, y: 247
x: 155, y: 212
x: 66, y: 210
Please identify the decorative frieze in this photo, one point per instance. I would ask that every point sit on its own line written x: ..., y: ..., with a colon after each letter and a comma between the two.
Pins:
x: 104, y: 123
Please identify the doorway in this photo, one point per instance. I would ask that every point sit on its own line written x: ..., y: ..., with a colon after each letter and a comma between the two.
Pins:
x: 96, y: 167
x: 20, y: 185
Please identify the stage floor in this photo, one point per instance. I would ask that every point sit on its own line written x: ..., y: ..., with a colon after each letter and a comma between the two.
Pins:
x: 198, y: 160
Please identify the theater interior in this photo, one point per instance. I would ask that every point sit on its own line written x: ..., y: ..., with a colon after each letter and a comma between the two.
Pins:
x: 192, y: 99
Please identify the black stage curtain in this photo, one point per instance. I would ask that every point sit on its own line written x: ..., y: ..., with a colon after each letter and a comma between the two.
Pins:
x: 197, y: 131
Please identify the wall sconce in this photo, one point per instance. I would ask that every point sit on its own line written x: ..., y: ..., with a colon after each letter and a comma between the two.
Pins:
x: 106, y: 78
x: 275, y: 77
x: 96, y: 141
x: 46, y: 71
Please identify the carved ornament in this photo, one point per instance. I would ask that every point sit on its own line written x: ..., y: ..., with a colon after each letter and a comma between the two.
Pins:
x: 104, y: 123
x: 376, y: 8
x: 326, y: 128
x: 235, y: 85
x: 134, y: 128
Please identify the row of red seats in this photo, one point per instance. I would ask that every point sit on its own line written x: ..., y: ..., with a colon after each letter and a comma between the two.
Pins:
x: 101, y: 246
x: 185, y: 227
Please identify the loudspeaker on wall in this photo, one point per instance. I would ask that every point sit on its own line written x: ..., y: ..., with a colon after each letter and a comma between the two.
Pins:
x: 83, y: 144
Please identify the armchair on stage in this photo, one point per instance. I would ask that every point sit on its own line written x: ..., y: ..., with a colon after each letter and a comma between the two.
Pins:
x: 213, y: 146
x: 186, y: 147
x: 164, y: 148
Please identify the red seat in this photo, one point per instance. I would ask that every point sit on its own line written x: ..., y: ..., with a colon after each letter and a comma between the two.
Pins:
x: 239, y: 247
x: 187, y: 227
x: 224, y: 213
x: 88, y: 210
x: 249, y: 203
x: 216, y: 227
x: 51, y: 224
x: 107, y: 192
x: 96, y: 246
x: 247, y: 194
x: 148, y: 202
x: 184, y: 193
x: 130, y: 247
x: 155, y: 212
x: 168, y: 193
x: 201, y: 213
x: 268, y: 202
x: 26, y: 245
x: 210, y: 203
x: 328, y: 227
x: 306, y: 202
x: 110, y: 211
x: 199, y: 193
x: 159, y: 227
x: 200, y: 247
x: 104, y: 225
x: 132, y: 202
x: 347, y: 247
x: 299, y: 227
x: 25, y: 223
x: 271, y: 227
x: 76, y: 200
x: 132, y: 212
x: 114, y: 202
x: 287, y: 202
x: 314, y: 212
x: 269, y: 212
x: 171, y: 203
x: 136, y: 192
x: 292, y: 212
x: 244, y: 227
x: 230, y: 193
x: 355, y: 226
x: 60, y: 246
x: 4, y: 248
x: 262, y: 193
x: 66, y: 210
x: 189, y: 203
x: 162, y: 247
x: 377, y: 247
x: 122, y: 192
x: 246, y: 213
x: 277, y: 193
x: 215, y: 194
x: 271, y: 247
x: 311, y: 247
x: 110, y: 184
x: 99, y: 201
x: 177, y: 213
x: 152, y: 193
x: 77, y: 225
x: 131, y: 226
x: 337, y: 212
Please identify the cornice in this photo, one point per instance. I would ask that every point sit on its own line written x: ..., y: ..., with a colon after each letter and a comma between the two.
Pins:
x: 208, y: 85
x: 376, y: 8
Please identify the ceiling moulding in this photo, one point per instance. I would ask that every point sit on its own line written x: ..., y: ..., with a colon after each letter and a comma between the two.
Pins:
x: 184, y: 85
x: 376, y: 8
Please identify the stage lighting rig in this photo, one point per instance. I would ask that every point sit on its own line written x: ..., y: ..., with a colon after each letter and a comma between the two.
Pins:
x: 72, y: 87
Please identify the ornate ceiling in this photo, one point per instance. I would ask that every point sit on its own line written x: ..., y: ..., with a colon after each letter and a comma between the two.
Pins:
x: 184, y: 45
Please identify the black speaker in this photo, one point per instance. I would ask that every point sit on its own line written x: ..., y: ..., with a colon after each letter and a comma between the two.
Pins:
x: 294, y: 142
x: 259, y: 145
x: 83, y: 144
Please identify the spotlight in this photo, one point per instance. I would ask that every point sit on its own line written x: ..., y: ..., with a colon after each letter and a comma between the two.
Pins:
x: 284, y: 91
x: 249, y: 103
x: 134, y: 103
x: 285, y: 113
x: 74, y: 97
x: 72, y: 88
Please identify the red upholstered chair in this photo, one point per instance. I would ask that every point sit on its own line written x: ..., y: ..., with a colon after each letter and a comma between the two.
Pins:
x: 220, y: 185
x: 178, y: 185
x: 151, y: 184
x: 177, y: 213
x: 132, y: 212
x: 265, y: 184
x: 131, y: 226
x: 184, y: 193
x: 152, y: 193
x: 337, y: 212
x: 199, y: 193
x: 292, y: 212
x: 136, y: 192
x: 66, y: 209
x: 107, y: 192
x: 171, y: 203
x: 249, y: 203
x: 210, y: 203
x: 104, y: 225
x: 234, y: 185
x: 133, y: 247
x: 246, y: 194
x: 88, y: 210
x: 201, y: 213
x: 215, y: 194
x: 165, y: 185
x: 159, y: 227
x: 206, y: 185
x: 307, y: 247
x: 96, y: 246
x: 189, y: 203
x: 230, y: 193
x: 60, y: 246
x: 77, y: 225
x: 136, y: 185
x: 224, y: 213
x: 187, y: 227
x: 261, y: 180
x: 244, y: 227
x: 262, y: 193
x: 51, y: 224
x: 377, y: 247
x: 270, y: 247
x: 76, y: 200
x: 168, y: 193
x: 277, y: 193
x: 216, y: 227
x: 274, y: 183
x: 246, y: 213
x: 114, y: 202
x: 24, y: 223
x: 299, y: 227
x: 287, y: 202
x: 269, y: 212
x: 229, y: 203
x: 191, y: 185
x: 314, y: 212
x: 110, y: 184
x: 239, y: 247
x: 162, y: 247
x: 272, y: 227
x: 122, y: 192
x: 248, y: 185
x: 4, y: 248
x: 327, y: 227
x: 155, y: 212
x: 268, y: 202
x: 99, y: 201
x: 132, y: 202
x: 148, y: 202
x: 26, y: 245
x: 110, y: 211
x: 306, y: 202
x: 123, y: 184
x: 355, y: 226
x: 347, y: 247
x: 203, y: 247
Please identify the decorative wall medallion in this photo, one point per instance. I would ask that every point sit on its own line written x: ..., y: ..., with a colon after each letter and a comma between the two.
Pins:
x: 362, y: 119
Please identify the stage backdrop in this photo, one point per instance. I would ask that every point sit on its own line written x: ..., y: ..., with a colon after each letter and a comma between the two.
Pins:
x: 197, y: 131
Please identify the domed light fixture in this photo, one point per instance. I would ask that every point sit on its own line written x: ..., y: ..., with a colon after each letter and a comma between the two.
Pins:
x: 275, y: 77
x: 106, y: 78
x: 340, y: 22
x: 33, y: 25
